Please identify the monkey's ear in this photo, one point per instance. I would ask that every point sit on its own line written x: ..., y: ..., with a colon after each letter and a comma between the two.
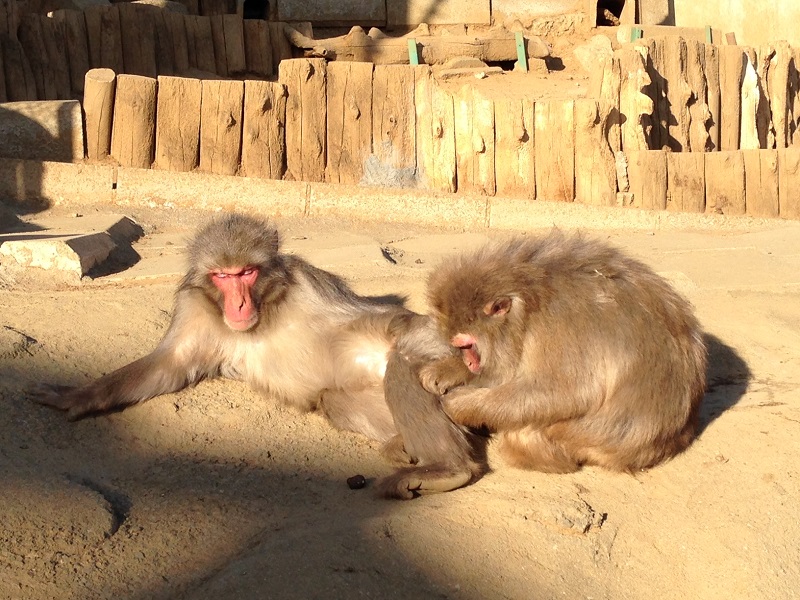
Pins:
x: 498, y: 307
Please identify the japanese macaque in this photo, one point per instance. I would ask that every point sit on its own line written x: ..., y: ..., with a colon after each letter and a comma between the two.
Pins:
x: 570, y: 352
x: 246, y: 311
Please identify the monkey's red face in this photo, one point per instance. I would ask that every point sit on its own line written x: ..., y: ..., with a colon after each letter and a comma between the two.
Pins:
x: 469, y: 351
x: 236, y: 284
x: 493, y: 313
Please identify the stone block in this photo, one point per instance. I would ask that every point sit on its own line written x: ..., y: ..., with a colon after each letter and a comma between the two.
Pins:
x: 73, y: 246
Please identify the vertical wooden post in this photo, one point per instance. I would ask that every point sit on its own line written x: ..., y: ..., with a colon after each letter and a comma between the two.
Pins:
x: 394, y: 119
x: 305, y: 81
x: 178, y: 123
x: 789, y: 182
x: 474, y: 119
x: 138, y: 39
x: 54, y: 36
x: 349, y: 127
x: 218, y: 38
x: 221, y: 113
x: 233, y: 29
x: 713, y: 87
x: 647, y: 172
x: 435, y: 132
x: 514, y: 144
x: 134, y: 128
x: 761, y: 182
x: 731, y: 74
x: 257, y: 47
x: 77, y: 48
x: 595, y: 168
x: 555, y: 150
x: 263, y: 138
x: 725, y: 183
x: 98, y: 106
x: 180, y: 43
x: 686, y: 182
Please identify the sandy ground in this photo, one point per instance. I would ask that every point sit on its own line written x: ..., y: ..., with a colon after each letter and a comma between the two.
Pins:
x: 216, y: 492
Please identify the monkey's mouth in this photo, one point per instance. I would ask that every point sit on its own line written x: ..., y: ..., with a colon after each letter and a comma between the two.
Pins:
x: 243, y: 324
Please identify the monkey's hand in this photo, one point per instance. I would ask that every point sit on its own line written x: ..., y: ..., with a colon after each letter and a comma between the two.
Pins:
x: 440, y: 376
x: 61, y: 397
x: 394, y: 451
x: 463, y: 404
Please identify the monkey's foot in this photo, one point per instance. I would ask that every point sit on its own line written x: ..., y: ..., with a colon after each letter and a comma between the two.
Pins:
x: 408, y: 483
x: 394, y: 451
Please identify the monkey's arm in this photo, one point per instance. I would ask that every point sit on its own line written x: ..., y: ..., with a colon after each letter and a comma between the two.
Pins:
x: 510, y: 405
x: 181, y: 358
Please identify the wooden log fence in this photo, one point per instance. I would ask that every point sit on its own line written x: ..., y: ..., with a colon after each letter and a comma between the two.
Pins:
x: 47, y: 57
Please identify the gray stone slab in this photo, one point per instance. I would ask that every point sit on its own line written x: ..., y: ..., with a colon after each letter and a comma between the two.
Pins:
x: 438, y: 12
x: 333, y: 12
x: 70, y: 245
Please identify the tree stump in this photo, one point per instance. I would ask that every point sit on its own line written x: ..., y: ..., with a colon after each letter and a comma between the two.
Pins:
x: 98, y: 105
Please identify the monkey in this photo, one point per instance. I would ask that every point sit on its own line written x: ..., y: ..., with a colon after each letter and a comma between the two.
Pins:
x: 571, y: 354
x: 246, y: 311
x: 445, y: 455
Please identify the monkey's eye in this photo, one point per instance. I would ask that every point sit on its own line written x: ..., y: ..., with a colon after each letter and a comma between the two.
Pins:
x: 498, y: 307
x: 219, y: 275
x: 249, y: 271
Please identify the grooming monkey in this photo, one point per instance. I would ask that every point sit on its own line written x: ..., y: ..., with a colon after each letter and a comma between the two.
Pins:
x: 571, y: 352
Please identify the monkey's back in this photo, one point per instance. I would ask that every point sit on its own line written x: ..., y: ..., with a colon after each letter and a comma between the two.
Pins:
x: 598, y: 328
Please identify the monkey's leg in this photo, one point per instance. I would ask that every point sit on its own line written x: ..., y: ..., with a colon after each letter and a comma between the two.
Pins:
x: 442, y: 449
x: 510, y: 406
x: 362, y: 411
x: 533, y: 449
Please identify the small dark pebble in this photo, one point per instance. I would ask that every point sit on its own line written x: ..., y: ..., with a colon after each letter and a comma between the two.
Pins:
x: 356, y: 482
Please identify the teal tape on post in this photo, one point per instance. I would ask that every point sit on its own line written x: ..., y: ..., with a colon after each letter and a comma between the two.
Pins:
x: 413, y: 56
x: 522, y: 57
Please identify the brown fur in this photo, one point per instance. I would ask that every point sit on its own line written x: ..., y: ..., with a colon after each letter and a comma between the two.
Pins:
x: 587, y: 357
x: 315, y: 345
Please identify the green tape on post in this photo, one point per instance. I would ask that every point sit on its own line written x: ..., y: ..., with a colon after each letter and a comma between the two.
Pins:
x: 636, y: 34
x: 522, y: 57
x: 708, y: 35
x: 413, y: 56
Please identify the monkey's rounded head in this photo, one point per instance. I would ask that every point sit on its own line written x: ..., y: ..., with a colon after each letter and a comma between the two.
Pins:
x: 233, y: 240
x: 482, y: 286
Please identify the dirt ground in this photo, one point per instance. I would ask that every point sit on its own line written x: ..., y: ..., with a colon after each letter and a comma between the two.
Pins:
x: 216, y: 492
